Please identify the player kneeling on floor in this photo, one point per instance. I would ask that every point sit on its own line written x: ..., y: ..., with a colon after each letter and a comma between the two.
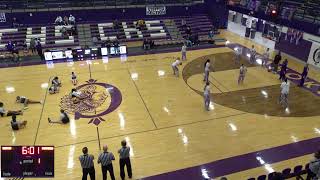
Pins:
x: 16, y: 125
x: 53, y: 89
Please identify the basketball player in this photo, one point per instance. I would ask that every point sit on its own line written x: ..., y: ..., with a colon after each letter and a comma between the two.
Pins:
x: 4, y: 112
x: 184, y: 52
x: 64, y: 118
x: 76, y: 96
x: 242, y: 74
x: 304, y: 75
x: 74, y: 79
x: 265, y: 59
x: 207, y: 66
x: 253, y: 54
x: 175, y: 68
x: 238, y: 52
x: 283, y: 70
x: 16, y: 125
x: 25, y: 101
x: 53, y: 89
x: 285, y: 86
x: 55, y: 81
x: 206, y: 95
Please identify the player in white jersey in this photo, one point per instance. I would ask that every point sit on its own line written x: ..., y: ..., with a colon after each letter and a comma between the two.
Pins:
x: 265, y: 59
x: 74, y: 79
x: 175, y: 68
x: 238, y: 52
x: 242, y: 74
x: 53, y: 89
x: 184, y: 52
x: 285, y: 86
x: 25, y: 101
x: 207, y: 66
x: 253, y: 54
x: 206, y: 96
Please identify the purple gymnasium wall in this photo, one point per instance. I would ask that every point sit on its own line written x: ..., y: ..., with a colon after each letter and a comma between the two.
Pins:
x: 103, y: 15
x: 300, y: 51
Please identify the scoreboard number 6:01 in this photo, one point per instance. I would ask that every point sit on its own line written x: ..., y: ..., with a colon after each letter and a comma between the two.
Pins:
x: 25, y: 150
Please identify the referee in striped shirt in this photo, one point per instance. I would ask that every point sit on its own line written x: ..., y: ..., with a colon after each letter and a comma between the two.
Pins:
x: 106, y: 159
x: 124, y: 154
x: 86, y: 161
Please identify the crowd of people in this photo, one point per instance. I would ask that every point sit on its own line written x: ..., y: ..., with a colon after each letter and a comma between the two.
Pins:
x: 65, y: 21
x: 105, y: 159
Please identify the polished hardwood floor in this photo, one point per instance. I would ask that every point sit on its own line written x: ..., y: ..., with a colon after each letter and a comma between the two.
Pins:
x: 162, y: 116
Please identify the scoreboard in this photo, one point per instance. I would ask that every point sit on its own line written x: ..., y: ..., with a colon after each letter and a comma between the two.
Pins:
x: 27, y: 161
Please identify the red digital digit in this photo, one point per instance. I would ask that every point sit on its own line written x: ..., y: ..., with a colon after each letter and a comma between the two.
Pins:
x: 38, y: 150
x: 31, y: 150
x: 24, y: 150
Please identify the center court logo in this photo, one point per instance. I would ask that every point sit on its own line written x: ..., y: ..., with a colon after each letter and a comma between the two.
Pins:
x: 99, y: 99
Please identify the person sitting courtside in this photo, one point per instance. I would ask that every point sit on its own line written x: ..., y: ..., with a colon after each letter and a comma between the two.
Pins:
x: 64, y: 118
x: 16, y: 125
x: 4, y: 112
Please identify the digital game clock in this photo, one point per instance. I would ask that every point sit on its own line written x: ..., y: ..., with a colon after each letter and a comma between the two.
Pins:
x: 27, y: 161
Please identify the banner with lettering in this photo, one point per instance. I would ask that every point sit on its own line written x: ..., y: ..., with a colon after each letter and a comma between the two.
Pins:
x: 314, y: 55
x: 156, y: 10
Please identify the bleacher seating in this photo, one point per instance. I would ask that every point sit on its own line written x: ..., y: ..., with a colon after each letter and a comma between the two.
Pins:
x: 50, y: 36
x: 127, y: 31
x: 287, y: 173
x: 155, y: 29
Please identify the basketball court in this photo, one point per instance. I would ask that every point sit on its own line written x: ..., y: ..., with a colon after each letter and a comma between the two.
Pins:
x: 162, y: 117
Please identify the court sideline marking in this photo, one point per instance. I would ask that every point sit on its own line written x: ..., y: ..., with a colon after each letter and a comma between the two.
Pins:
x: 151, y: 130
x: 145, y: 105
x: 41, y: 113
x: 219, y: 83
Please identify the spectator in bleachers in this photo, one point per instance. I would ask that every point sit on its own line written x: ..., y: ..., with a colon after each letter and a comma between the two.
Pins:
x: 10, y: 47
x: 39, y: 49
x: 146, y: 44
x: 141, y: 24
x: 59, y: 20
x: 16, y: 125
x: 32, y: 46
x: 314, y: 166
x: 64, y: 32
x: 95, y: 40
x: 116, y: 24
x: 188, y: 31
x: 73, y: 31
x: 72, y: 20
x: 188, y: 41
x: 15, y: 23
x: 116, y: 45
x: 183, y: 23
x: 65, y: 21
